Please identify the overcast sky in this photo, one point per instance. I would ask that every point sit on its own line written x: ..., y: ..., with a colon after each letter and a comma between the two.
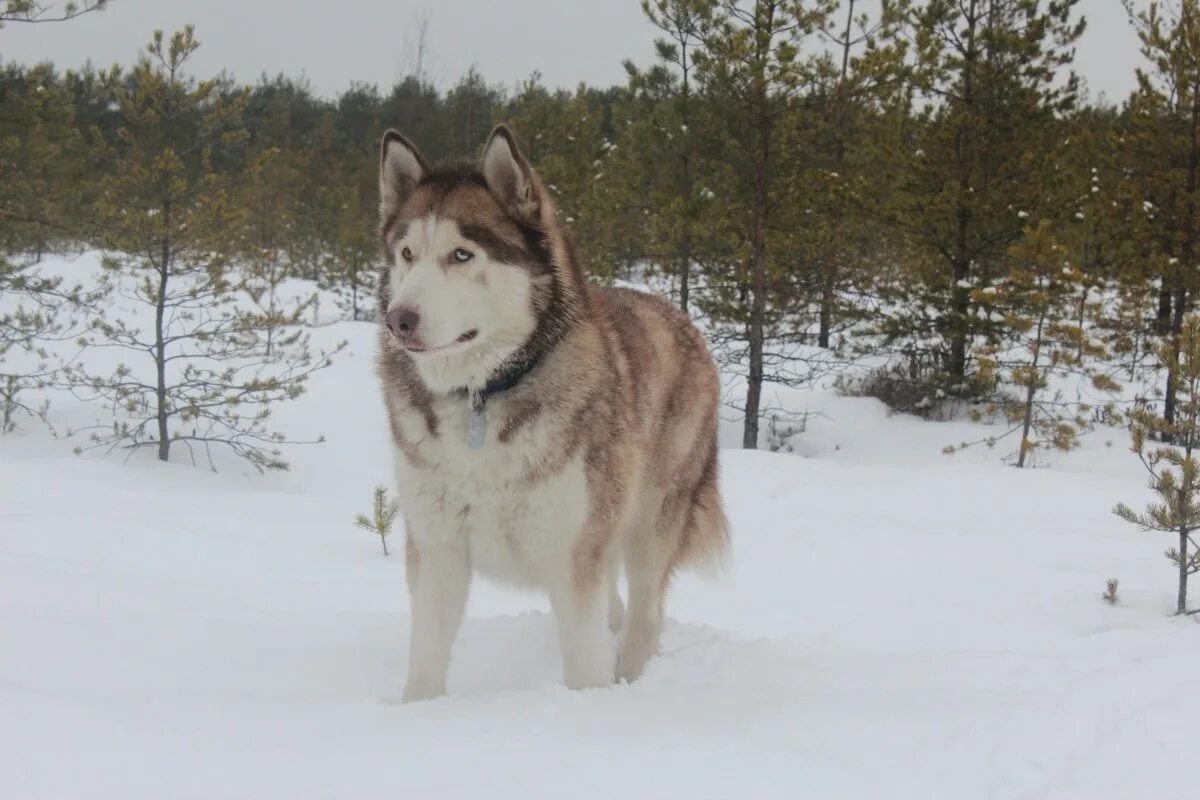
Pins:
x: 333, y: 44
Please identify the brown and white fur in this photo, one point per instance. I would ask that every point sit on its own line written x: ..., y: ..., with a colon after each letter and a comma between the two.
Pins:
x: 603, y: 452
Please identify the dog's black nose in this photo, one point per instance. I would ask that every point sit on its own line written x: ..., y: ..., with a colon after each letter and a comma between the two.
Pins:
x: 403, y: 321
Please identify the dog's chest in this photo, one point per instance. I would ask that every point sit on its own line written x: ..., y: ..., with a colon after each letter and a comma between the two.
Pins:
x: 518, y: 522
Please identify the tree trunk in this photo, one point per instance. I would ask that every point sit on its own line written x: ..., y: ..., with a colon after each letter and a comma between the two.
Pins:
x: 1162, y: 319
x: 755, y: 336
x: 10, y: 402
x: 829, y: 284
x: 271, y: 278
x: 685, y: 269
x: 960, y: 266
x: 1187, y: 262
x: 1030, y: 392
x: 160, y: 345
x: 1136, y: 350
x: 1082, y: 318
x: 1181, y: 600
x: 764, y: 22
x: 1179, y: 302
x: 685, y: 241
x: 960, y: 307
x: 825, y: 317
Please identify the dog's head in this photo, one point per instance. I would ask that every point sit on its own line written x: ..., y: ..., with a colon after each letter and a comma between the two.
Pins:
x: 469, y: 261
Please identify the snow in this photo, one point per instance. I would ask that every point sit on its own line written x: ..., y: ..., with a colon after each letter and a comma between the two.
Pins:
x: 894, y: 623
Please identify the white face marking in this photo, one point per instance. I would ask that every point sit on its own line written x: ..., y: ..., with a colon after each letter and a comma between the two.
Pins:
x: 455, y: 298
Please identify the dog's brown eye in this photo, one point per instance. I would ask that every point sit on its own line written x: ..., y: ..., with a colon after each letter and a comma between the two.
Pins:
x: 461, y: 255
x: 406, y: 254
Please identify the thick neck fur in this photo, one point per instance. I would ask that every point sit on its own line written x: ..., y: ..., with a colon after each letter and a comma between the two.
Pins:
x: 558, y: 310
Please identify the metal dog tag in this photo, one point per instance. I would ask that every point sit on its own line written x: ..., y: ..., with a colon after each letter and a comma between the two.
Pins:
x: 476, y: 426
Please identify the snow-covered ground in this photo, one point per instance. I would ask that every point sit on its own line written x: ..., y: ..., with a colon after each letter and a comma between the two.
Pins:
x: 895, y: 623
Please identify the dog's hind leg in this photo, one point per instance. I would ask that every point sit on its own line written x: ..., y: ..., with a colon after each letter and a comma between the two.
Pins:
x: 438, y: 579
x: 648, y: 575
x: 690, y: 530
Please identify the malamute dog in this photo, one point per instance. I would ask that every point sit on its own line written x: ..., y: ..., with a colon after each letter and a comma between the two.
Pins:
x: 547, y: 432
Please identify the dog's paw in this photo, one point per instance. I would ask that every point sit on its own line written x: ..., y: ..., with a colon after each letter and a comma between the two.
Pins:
x: 597, y: 681
x: 631, y: 660
x: 416, y: 692
x: 588, y: 676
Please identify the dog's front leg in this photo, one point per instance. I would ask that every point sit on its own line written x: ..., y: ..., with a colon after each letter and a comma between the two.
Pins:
x: 582, y: 616
x: 438, y: 579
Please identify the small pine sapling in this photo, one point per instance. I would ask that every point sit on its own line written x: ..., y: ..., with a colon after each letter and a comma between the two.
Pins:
x: 1037, y: 306
x: 384, y: 512
x: 1174, y: 468
x: 1110, y: 595
x: 1128, y: 333
x: 199, y: 375
x: 348, y: 266
x: 269, y: 189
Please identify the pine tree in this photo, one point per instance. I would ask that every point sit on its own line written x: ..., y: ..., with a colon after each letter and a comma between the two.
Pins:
x: 665, y: 122
x: 37, y: 143
x: 1108, y: 236
x: 289, y: 142
x: 1129, y: 339
x: 869, y: 54
x: 1163, y: 151
x: 415, y: 106
x: 38, y: 146
x: 469, y: 108
x: 1035, y: 304
x: 753, y: 67
x: 270, y: 188
x: 564, y: 136
x: 1174, y: 470
x: 976, y: 166
x: 168, y: 216
x: 1087, y: 177
x: 350, y: 265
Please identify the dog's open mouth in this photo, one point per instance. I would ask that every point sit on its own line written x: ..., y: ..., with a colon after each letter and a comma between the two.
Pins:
x: 466, y: 337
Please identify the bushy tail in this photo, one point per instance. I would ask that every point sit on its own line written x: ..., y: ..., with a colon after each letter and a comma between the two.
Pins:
x: 704, y: 545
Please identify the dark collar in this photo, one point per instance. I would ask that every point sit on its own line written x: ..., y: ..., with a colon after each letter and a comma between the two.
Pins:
x: 544, y: 340
x: 508, y: 377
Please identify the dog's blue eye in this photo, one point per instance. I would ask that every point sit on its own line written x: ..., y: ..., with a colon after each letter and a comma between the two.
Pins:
x: 406, y: 254
x: 461, y: 255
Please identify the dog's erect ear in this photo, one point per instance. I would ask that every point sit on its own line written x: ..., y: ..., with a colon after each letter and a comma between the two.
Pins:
x: 509, y: 176
x: 401, y: 168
